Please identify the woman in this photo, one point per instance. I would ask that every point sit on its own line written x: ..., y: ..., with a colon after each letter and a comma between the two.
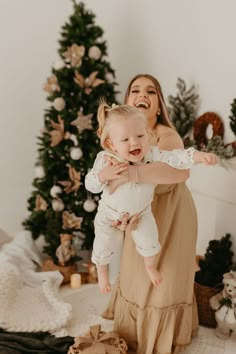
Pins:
x: 161, y: 319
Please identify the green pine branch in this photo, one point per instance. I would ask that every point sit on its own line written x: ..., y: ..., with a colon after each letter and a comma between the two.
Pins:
x: 232, y: 116
x: 183, y: 107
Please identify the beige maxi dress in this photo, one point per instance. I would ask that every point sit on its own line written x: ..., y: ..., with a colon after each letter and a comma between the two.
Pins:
x: 160, y: 320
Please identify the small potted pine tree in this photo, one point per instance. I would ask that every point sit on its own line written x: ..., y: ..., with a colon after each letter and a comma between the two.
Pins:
x: 217, y: 260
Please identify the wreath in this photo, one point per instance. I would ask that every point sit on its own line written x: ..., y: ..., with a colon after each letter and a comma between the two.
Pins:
x: 201, y: 124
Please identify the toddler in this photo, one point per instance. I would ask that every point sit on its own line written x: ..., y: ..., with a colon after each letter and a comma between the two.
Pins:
x: 123, y: 132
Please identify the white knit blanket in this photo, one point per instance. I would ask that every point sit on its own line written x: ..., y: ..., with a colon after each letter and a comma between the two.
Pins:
x: 30, y: 301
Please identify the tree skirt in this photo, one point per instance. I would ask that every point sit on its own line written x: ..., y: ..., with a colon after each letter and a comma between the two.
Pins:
x: 87, y: 304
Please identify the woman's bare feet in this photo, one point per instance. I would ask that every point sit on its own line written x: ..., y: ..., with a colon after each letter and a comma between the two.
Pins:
x: 103, y: 279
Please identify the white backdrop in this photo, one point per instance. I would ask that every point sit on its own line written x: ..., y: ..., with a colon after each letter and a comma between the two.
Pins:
x: 190, y: 39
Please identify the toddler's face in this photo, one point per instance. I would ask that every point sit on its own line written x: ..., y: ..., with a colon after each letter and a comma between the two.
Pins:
x: 129, y: 138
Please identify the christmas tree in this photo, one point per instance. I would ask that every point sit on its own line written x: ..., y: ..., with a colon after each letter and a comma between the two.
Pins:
x: 68, y: 144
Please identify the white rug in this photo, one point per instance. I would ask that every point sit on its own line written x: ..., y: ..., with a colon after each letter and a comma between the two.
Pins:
x: 87, y: 304
x: 206, y: 343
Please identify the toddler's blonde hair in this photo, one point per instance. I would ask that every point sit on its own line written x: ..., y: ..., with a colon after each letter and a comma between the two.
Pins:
x: 107, y: 114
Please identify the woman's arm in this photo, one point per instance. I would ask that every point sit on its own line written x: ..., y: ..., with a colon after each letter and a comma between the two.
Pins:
x: 156, y: 173
x: 152, y: 173
x: 169, y: 140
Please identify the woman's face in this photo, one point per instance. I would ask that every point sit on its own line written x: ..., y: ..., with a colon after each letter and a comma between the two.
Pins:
x: 143, y: 95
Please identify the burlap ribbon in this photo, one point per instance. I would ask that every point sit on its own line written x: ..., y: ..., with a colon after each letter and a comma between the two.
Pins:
x: 97, y: 342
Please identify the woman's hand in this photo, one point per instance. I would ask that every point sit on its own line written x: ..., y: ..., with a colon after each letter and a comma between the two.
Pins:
x: 132, y: 223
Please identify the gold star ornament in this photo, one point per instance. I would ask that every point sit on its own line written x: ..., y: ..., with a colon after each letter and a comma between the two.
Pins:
x: 74, y: 183
x: 51, y: 85
x: 71, y: 221
x: 40, y: 203
x: 58, y: 133
x: 83, y: 122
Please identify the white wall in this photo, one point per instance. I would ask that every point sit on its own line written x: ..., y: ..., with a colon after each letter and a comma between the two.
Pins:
x: 190, y: 39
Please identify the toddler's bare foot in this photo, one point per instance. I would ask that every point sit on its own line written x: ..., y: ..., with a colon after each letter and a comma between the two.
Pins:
x: 103, y: 279
x: 104, y: 286
x: 151, y: 268
x: 155, y: 276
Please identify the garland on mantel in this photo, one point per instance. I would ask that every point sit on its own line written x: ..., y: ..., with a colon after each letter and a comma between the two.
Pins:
x: 193, y: 130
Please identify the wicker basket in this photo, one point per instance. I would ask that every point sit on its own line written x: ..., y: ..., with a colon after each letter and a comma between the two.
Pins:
x: 203, y: 294
x: 66, y: 271
x: 205, y: 313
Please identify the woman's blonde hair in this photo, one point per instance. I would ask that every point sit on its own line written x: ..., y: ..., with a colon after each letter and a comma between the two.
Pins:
x: 163, y: 118
x: 107, y: 114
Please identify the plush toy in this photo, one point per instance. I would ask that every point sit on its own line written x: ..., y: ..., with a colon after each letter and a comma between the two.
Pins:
x: 224, y: 303
x: 65, y: 251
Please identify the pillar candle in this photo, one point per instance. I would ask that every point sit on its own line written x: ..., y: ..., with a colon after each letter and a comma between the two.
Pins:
x: 75, y: 281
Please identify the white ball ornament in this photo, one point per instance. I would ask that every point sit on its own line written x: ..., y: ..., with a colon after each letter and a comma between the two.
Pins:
x: 57, y: 204
x: 109, y: 77
x: 55, y: 190
x: 76, y: 153
x: 59, y: 104
x: 94, y: 52
x: 59, y: 64
x: 39, y: 172
x: 89, y: 205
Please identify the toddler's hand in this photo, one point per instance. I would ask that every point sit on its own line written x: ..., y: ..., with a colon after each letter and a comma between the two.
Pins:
x: 111, y: 172
x: 111, y: 160
x: 207, y: 158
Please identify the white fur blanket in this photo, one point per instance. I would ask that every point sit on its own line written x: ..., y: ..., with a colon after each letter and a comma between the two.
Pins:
x: 30, y: 300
